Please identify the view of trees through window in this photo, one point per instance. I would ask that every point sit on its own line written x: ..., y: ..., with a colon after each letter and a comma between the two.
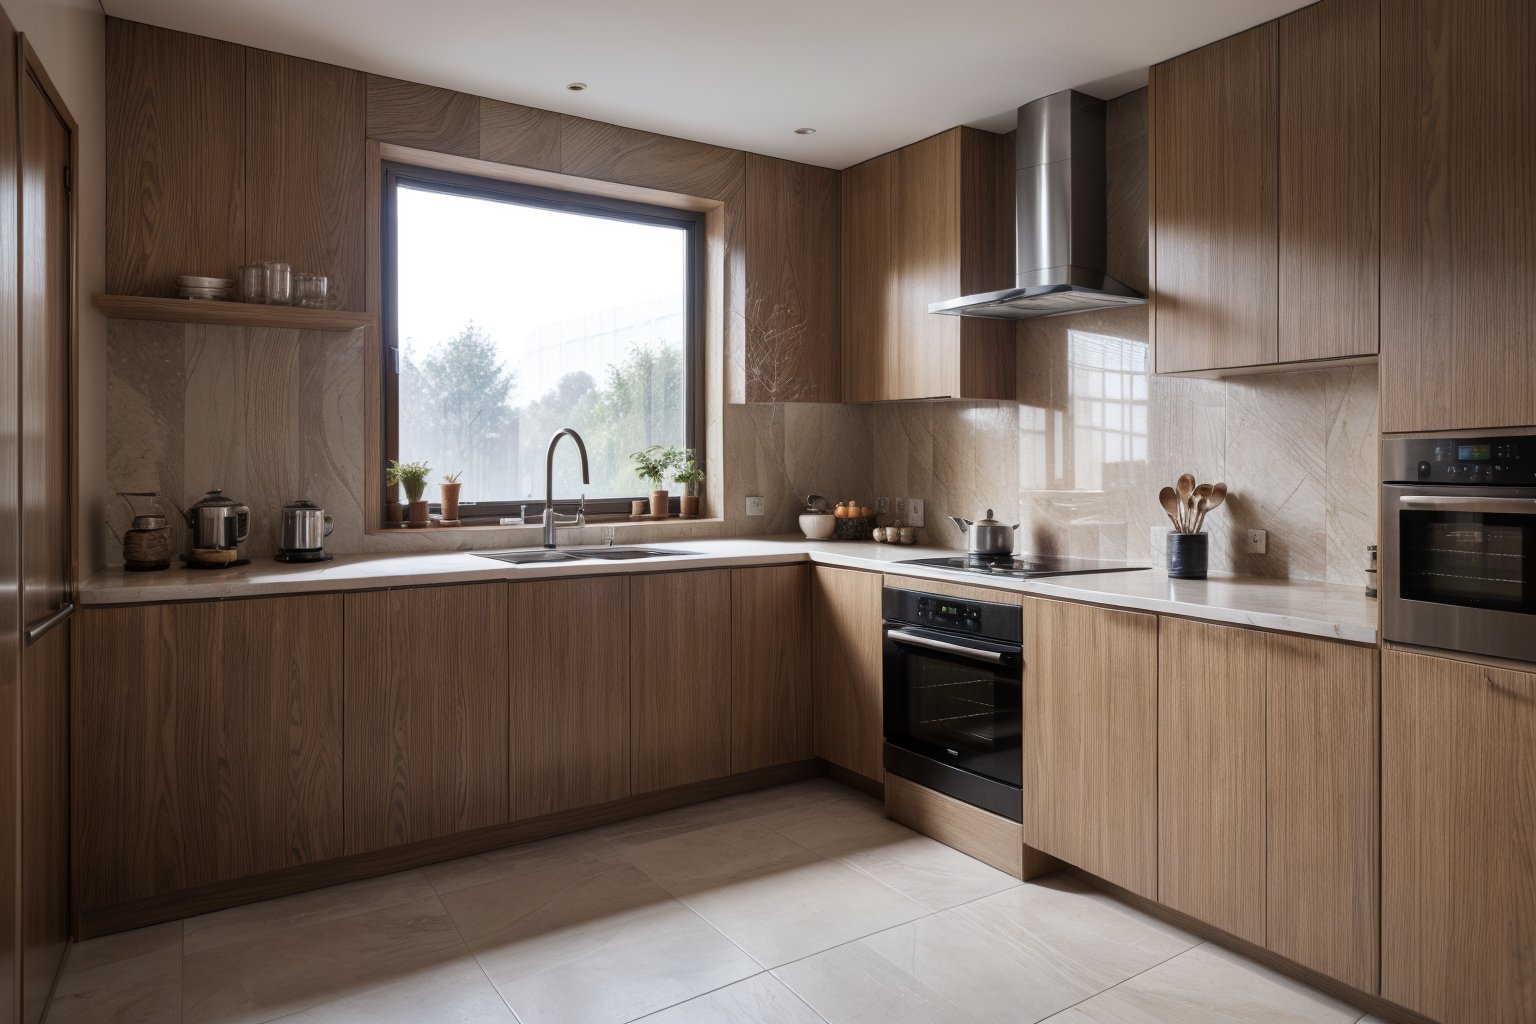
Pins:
x: 517, y: 320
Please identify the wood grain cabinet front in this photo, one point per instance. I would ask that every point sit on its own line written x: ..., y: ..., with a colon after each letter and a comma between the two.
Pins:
x: 846, y: 650
x: 206, y: 744
x: 771, y: 693
x: 426, y: 713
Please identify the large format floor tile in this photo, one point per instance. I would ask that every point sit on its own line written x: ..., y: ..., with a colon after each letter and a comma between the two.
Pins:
x: 567, y: 944
x: 456, y: 992
x: 1019, y: 955
x: 131, y: 978
x: 761, y: 999
x: 772, y: 897
x: 1210, y: 985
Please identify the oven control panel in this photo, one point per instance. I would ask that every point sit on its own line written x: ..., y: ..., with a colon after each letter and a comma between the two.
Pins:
x: 946, y: 613
x: 1484, y: 462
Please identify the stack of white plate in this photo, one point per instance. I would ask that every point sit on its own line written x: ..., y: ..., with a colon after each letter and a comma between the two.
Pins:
x: 191, y: 287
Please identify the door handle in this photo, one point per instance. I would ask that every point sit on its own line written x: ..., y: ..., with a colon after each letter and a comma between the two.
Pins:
x: 1452, y: 503
x: 901, y: 636
x: 37, y: 630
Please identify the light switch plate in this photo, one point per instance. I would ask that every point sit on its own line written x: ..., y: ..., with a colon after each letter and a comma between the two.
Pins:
x: 1258, y: 542
x: 901, y: 506
x: 755, y: 505
x: 882, y: 506
x: 914, y: 511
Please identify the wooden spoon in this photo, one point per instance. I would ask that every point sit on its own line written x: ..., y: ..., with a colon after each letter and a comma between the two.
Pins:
x: 1185, y: 487
x: 1217, y: 496
x: 1170, y: 503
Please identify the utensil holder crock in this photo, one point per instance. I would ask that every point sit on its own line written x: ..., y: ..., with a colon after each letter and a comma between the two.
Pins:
x: 1188, y: 555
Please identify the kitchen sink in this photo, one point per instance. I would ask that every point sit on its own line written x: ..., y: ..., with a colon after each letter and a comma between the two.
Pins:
x: 616, y: 554
x: 534, y: 556
x: 527, y: 557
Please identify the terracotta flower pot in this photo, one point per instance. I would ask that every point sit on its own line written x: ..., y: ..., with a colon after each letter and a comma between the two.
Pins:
x: 659, y: 504
x: 394, y: 512
x: 688, y: 506
x: 418, y: 513
x: 450, y: 501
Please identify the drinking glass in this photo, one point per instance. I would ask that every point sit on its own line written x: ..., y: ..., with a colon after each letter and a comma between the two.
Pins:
x: 253, y: 277
x: 278, y: 282
x: 309, y: 290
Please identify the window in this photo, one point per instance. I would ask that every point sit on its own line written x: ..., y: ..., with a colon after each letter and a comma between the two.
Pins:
x: 513, y: 311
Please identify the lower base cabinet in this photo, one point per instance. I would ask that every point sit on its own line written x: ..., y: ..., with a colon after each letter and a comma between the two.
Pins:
x: 770, y: 666
x: 846, y: 645
x: 1458, y: 839
x: 44, y: 848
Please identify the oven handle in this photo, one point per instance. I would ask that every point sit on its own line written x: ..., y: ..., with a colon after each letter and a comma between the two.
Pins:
x: 1453, y: 503
x: 915, y: 639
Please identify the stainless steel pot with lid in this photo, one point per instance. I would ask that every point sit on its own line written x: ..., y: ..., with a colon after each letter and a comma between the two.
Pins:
x: 218, y: 522
x: 986, y: 536
x: 305, y: 526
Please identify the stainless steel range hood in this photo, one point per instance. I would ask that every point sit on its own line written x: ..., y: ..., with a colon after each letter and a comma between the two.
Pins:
x: 1061, y: 230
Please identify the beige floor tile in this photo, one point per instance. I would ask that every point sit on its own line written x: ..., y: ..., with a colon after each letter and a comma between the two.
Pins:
x: 772, y: 897
x: 920, y: 868
x: 457, y: 992
x: 130, y: 978
x: 1019, y: 955
x: 1210, y: 985
x: 256, y: 921
x: 567, y: 944
x: 581, y: 847
x: 762, y: 999
x: 244, y: 982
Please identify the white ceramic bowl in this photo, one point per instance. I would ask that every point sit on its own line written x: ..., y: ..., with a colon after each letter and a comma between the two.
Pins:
x: 817, y: 525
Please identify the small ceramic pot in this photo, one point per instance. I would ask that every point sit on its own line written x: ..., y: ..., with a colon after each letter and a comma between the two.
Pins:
x: 417, y: 513
x: 1188, y: 555
x: 639, y: 507
x: 450, y: 501
x: 817, y: 525
x: 659, y: 504
x: 688, y: 506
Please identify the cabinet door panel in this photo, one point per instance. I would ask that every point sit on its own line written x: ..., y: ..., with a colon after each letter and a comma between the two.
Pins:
x: 1213, y: 168
x: 870, y: 368
x: 770, y: 678
x: 207, y: 743
x: 1458, y: 770
x: 679, y: 677
x: 44, y: 817
x: 1090, y: 740
x: 426, y: 713
x: 1211, y: 820
x: 927, y: 253
x: 569, y: 694
x: 847, y: 644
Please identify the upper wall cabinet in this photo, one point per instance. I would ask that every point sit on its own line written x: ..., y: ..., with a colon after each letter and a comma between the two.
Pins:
x: 928, y: 222
x: 1265, y: 178
x: 1459, y: 215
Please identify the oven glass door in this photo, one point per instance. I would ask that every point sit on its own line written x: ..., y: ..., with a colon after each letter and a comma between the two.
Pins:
x: 955, y: 699
x: 1469, y: 555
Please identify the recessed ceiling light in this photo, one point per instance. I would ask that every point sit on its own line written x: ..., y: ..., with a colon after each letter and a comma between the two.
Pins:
x: 577, y: 86
x: 805, y: 131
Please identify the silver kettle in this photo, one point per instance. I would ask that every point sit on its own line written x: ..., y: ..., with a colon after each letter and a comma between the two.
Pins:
x: 986, y: 536
x: 218, y: 523
x: 305, y: 526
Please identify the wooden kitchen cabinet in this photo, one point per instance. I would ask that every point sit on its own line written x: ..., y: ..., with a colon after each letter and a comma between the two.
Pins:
x: 206, y: 744
x: 771, y: 698
x: 426, y: 713
x: 1458, y: 804
x: 928, y: 222
x: 1267, y: 787
x: 1090, y: 739
x: 1458, y: 216
x: 847, y: 640
x: 569, y: 697
x: 679, y: 678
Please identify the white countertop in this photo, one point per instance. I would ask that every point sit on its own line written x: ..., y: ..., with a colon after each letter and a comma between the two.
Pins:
x: 1291, y: 606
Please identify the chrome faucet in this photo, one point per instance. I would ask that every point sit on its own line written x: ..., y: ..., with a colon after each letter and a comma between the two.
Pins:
x: 550, y: 519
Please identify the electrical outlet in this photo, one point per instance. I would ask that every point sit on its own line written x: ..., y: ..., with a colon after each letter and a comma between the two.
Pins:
x: 914, y: 511
x: 882, y: 506
x: 1258, y: 542
x: 755, y: 505
x: 901, y: 506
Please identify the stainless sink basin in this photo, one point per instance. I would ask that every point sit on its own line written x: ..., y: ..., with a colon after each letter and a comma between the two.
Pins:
x: 527, y: 557
x: 615, y: 554
x: 534, y: 556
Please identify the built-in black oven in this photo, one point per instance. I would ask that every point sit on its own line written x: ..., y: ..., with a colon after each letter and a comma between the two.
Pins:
x: 1459, y: 544
x: 953, y: 697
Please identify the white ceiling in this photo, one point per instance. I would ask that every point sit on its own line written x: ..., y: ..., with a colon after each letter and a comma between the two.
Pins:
x: 868, y: 75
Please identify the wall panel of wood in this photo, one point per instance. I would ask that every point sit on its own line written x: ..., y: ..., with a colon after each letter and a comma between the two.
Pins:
x: 304, y: 136
x: 175, y: 158
x: 679, y: 678
x: 511, y: 133
x: 771, y: 698
x: 847, y: 644
x: 423, y: 116
x: 426, y: 713
x: 569, y: 697
x: 10, y: 531
x: 610, y: 152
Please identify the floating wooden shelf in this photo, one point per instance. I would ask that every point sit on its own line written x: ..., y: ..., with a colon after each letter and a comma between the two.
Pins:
x: 230, y: 314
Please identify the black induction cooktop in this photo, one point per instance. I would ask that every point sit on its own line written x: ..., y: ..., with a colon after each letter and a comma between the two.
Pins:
x: 1023, y: 567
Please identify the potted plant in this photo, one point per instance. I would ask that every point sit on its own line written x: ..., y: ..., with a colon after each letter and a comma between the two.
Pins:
x: 652, y: 465
x: 412, y: 476
x: 689, y: 473
x: 394, y: 509
x: 449, y: 490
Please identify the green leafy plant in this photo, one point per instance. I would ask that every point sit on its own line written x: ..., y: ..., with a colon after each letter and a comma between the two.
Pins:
x: 410, y: 475
x: 686, y: 469
x: 652, y: 463
x: 452, y: 478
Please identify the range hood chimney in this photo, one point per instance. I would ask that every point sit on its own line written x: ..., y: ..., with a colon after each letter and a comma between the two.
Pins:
x: 1060, y: 203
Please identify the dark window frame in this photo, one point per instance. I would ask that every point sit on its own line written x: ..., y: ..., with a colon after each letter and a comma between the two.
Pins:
x: 691, y: 222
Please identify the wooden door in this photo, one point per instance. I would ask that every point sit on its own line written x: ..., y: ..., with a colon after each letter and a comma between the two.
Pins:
x: 1458, y: 805
x: 569, y: 697
x: 1090, y: 739
x: 1211, y: 749
x: 207, y: 744
x: 46, y: 335
x: 679, y: 678
x: 10, y: 525
x: 426, y: 713
x: 771, y: 709
x: 1323, y: 765
x: 927, y: 254
x: 1213, y: 126
x: 1330, y: 180
x: 847, y: 640
x: 1458, y: 230
x: 871, y: 371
